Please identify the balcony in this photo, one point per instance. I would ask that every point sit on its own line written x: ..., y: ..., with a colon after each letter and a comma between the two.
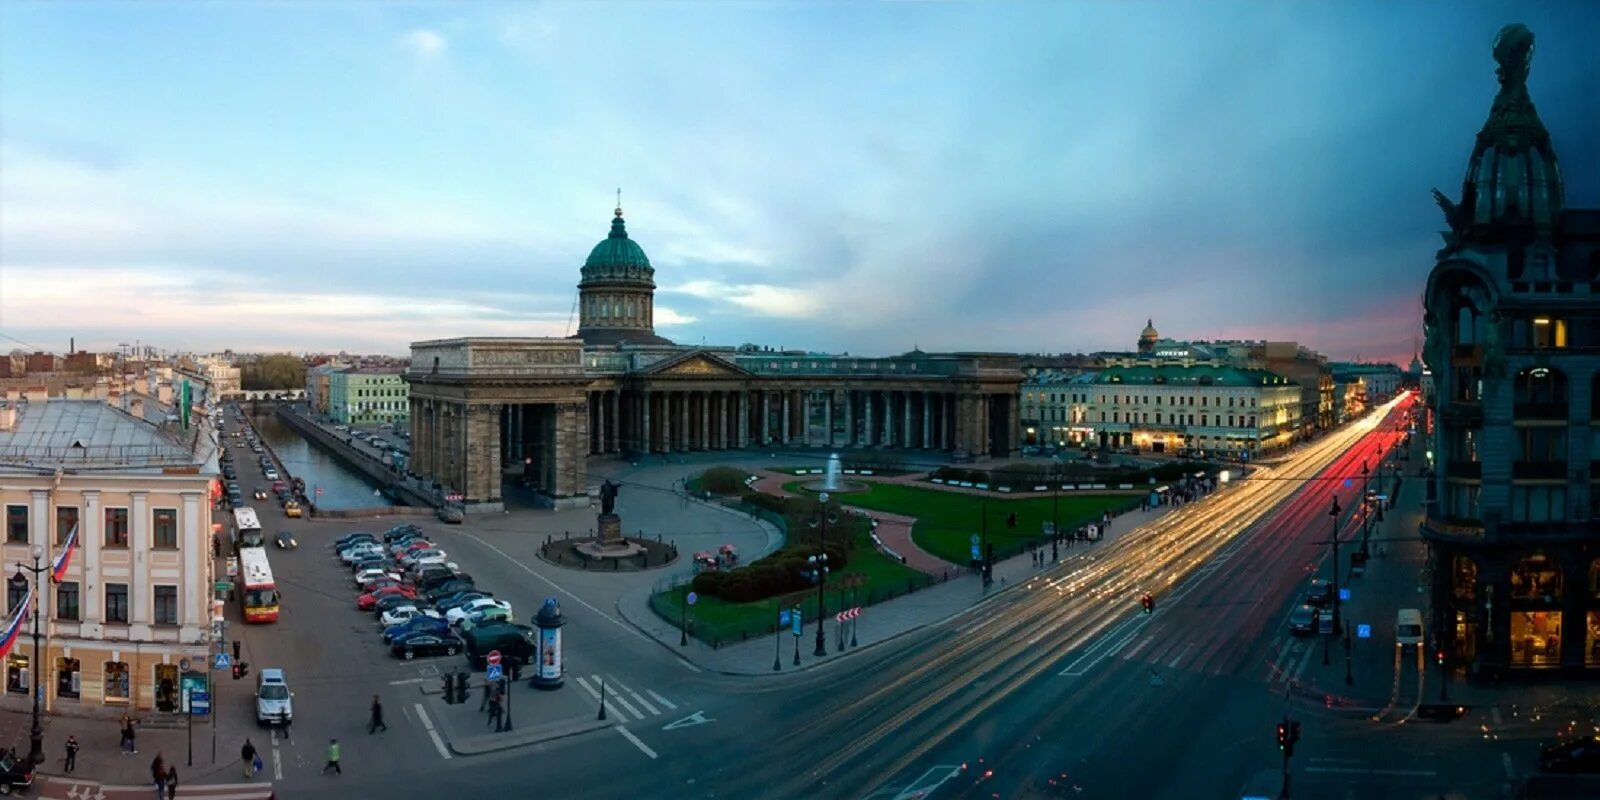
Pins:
x: 1463, y: 469
x: 1441, y: 527
x: 1463, y: 411
x: 1466, y: 354
x: 1539, y: 470
x: 1545, y: 411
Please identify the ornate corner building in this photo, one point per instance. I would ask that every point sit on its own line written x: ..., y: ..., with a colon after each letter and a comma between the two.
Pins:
x: 1513, y: 346
x: 492, y: 413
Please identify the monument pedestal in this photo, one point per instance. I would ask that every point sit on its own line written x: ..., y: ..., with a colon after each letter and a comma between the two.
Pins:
x: 609, y: 528
x: 608, y: 542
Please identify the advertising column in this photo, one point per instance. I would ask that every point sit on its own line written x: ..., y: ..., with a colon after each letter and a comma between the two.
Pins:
x: 547, y: 673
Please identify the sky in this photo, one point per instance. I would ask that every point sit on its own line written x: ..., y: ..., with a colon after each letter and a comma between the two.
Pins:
x: 845, y: 177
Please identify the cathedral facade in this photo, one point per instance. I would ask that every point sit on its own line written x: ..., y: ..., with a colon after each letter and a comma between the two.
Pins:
x: 534, y: 411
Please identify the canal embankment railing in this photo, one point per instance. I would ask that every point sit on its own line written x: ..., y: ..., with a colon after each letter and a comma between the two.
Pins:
x: 372, y: 468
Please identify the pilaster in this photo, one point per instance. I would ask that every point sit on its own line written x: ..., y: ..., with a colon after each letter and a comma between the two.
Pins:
x: 788, y: 420
x: 139, y: 599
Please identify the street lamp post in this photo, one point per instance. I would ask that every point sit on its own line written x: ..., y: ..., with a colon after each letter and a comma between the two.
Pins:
x: 819, y: 570
x: 1366, y: 507
x: 19, y: 583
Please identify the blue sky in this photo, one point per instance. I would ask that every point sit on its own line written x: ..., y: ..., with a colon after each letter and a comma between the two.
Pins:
x: 834, y: 176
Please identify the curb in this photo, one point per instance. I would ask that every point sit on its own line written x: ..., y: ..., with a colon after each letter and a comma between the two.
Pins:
x: 550, y: 731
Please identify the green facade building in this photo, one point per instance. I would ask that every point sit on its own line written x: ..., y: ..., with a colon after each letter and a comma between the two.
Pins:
x: 368, y: 396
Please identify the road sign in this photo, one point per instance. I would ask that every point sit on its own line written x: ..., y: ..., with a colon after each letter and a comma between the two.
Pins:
x: 233, y: 566
x: 974, y: 540
x: 183, y: 665
x: 1344, y: 593
x: 1363, y: 631
x: 692, y: 598
x: 493, y: 658
x: 224, y: 586
x: 494, y: 672
x: 319, y: 491
x: 975, y: 555
x: 223, y: 661
x: 783, y: 618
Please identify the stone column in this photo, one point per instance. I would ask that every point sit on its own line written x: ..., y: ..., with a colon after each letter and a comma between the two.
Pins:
x: 763, y: 414
x: 950, y: 404
x: 723, y: 401
x: 1013, y: 428
x: 572, y: 426
x: 867, y: 437
x: 705, y: 421
x: 788, y: 421
x: 668, y: 420
x: 744, y: 418
x: 138, y: 545
x: 644, y: 424
x: 827, y: 420
x: 849, y: 418
x: 905, y: 438
x: 927, y: 420
x: 614, y: 444
x: 483, y: 457
x: 802, y: 398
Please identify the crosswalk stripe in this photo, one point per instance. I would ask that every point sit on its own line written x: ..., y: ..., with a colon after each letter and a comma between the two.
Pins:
x: 641, y: 701
x: 624, y: 703
x: 662, y: 700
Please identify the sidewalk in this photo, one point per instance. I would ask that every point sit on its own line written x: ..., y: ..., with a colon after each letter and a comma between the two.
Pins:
x: 880, y: 623
x: 101, y: 760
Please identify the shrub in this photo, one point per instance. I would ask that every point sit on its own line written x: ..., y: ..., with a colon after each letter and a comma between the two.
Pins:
x: 721, y: 480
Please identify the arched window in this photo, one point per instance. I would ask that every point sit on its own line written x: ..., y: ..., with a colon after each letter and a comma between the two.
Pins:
x: 1466, y: 320
x: 1540, y: 393
x: 1463, y: 578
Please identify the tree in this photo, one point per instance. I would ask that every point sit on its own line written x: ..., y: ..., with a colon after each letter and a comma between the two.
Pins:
x: 273, y: 372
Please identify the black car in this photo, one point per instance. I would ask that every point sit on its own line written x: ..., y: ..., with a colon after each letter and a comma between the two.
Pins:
x: 352, y: 538
x: 1319, y: 593
x: 434, y: 577
x: 448, y: 588
x: 402, y: 531
x: 1577, y: 755
x: 286, y: 541
x: 15, y: 773
x: 427, y: 644
x: 389, y: 602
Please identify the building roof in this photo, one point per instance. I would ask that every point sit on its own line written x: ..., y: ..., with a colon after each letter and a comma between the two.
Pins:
x: 617, y: 257
x: 1151, y: 375
x: 89, y: 434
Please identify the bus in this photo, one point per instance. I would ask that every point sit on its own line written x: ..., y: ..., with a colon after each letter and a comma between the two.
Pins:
x: 247, y: 529
x: 260, y: 593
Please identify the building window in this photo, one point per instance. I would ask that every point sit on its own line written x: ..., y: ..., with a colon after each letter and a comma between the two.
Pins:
x: 66, y: 520
x: 14, y: 596
x: 166, y: 605
x: 1538, y: 503
x: 116, y: 527
x: 67, y: 601
x: 68, y: 681
x: 1541, y: 445
x: 116, y: 602
x: 17, y: 523
x: 166, y: 528
x: 1463, y: 501
x: 1549, y: 332
x: 117, y: 680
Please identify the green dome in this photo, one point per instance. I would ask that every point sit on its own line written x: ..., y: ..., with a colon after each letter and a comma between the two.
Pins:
x: 617, y: 256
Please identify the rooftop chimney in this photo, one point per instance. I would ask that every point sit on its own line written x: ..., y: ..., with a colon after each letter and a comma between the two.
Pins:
x: 136, y: 407
x: 38, y: 394
x: 8, y: 418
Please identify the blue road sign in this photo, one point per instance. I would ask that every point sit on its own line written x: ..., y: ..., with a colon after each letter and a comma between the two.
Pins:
x: 495, y: 672
x: 975, y: 555
x: 1344, y: 593
x: 795, y: 618
x: 783, y: 618
x: 223, y: 662
x: 1363, y: 631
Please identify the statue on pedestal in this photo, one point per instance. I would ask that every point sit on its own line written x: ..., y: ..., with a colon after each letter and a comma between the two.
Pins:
x: 608, y: 497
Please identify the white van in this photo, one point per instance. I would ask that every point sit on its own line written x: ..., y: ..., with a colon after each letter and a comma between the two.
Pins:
x: 1408, y: 628
x: 274, y: 701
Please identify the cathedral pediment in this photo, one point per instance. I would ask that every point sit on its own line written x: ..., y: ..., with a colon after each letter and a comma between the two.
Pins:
x: 695, y: 364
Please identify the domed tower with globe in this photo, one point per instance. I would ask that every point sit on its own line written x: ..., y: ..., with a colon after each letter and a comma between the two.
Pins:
x: 616, y: 293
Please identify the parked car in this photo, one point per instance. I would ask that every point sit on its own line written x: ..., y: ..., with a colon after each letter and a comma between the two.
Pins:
x: 15, y: 773
x: 368, y: 575
x: 446, y: 602
x: 352, y: 538
x: 425, y: 644
x: 484, y: 615
x: 359, y: 550
x: 369, y: 600
x: 460, y: 612
x: 452, y: 515
x: 400, y: 531
x: 432, y: 576
x: 286, y: 541
x: 1303, y: 620
x: 1576, y: 755
x: 411, y: 557
x: 450, y: 587
x: 404, y: 613
x: 271, y: 473
x: 390, y: 602
x: 415, y: 625
x: 1319, y: 593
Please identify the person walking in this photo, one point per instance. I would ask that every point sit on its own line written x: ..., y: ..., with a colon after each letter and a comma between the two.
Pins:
x: 333, y: 758
x: 494, y: 711
x: 377, y: 717
x: 488, y: 693
x: 72, y: 754
x: 172, y: 783
x: 247, y: 754
x: 129, y: 745
x: 158, y: 776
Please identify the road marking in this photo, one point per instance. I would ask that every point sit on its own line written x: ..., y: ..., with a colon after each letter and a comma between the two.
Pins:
x: 619, y: 699
x: 1140, y: 646
x: 1173, y: 664
x: 1408, y: 773
x: 919, y: 788
x: 627, y: 734
x: 580, y: 601
x: 641, y: 701
x: 611, y: 708
x: 406, y: 681
x: 1505, y: 761
x: 662, y: 700
x: 1110, y: 646
x: 277, y: 765
x: 697, y: 718
x: 432, y: 734
x: 1494, y: 714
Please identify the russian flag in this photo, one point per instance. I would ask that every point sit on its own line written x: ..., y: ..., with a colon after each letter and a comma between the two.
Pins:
x: 9, y: 636
x: 58, y: 567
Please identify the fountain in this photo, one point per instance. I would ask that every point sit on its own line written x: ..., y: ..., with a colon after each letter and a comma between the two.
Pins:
x: 832, y: 481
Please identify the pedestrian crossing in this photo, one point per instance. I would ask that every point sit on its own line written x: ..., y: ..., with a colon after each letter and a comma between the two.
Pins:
x: 623, y: 701
x: 1169, y: 646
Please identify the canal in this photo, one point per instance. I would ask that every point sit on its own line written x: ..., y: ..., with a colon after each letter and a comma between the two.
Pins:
x: 341, y: 486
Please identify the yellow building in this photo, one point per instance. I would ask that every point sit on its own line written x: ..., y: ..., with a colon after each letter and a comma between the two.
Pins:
x: 134, y: 601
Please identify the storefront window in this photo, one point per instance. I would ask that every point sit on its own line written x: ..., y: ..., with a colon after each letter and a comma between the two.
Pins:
x: 68, y: 677
x: 1466, y: 638
x: 117, y: 681
x: 167, y: 688
x: 1464, y: 578
x: 1591, y: 652
x: 16, y: 672
x: 1537, y: 577
x: 1535, y: 638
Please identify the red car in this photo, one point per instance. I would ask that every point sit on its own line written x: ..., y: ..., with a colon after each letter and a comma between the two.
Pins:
x: 411, y: 546
x: 367, y: 601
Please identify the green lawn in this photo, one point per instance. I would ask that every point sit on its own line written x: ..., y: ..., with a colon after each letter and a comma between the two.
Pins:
x: 946, y: 521
x: 719, y: 621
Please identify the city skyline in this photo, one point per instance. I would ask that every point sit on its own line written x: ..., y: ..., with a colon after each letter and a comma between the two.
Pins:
x: 354, y: 178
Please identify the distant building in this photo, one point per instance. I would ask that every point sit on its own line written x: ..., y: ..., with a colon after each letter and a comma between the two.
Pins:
x: 1382, y: 380
x: 1350, y: 398
x: 1513, y: 345
x: 134, y: 598
x: 42, y: 362
x: 318, y: 383
x: 1055, y: 408
x: 368, y: 396
x: 1186, y: 409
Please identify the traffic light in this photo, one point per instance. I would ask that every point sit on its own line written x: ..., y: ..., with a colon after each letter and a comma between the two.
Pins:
x: 240, y: 669
x: 235, y: 649
x: 1283, y: 736
x: 1294, y: 736
x: 448, y: 688
x: 1149, y: 604
x: 461, y: 687
x: 1438, y: 656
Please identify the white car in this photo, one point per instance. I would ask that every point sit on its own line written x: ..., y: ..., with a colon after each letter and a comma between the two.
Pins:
x: 349, y: 556
x: 374, y: 574
x: 415, y: 556
x: 271, y: 474
x: 403, y: 614
x: 461, y: 612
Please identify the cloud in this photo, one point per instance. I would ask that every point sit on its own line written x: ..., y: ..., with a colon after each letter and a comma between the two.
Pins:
x: 424, y: 43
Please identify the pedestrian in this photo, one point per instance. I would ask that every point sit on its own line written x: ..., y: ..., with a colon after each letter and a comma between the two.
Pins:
x: 129, y: 745
x: 494, y: 711
x: 488, y: 694
x: 172, y: 783
x: 72, y: 753
x: 377, y: 716
x: 158, y: 775
x: 333, y: 758
x: 247, y: 754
